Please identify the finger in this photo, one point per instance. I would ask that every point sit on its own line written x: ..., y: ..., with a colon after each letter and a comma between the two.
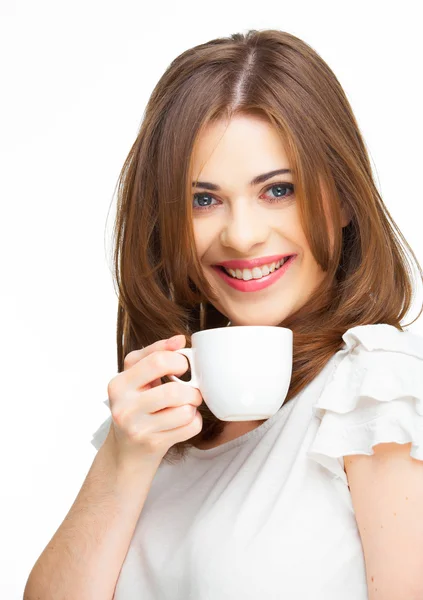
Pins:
x: 155, y: 366
x: 170, y: 395
x: 172, y: 343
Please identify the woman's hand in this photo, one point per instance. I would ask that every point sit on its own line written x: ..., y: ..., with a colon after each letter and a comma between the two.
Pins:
x: 148, y: 416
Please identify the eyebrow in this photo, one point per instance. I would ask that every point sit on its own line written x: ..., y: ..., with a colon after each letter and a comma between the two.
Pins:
x: 259, y: 179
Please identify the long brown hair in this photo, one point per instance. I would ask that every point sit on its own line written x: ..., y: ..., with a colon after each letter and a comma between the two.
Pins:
x: 160, y: 281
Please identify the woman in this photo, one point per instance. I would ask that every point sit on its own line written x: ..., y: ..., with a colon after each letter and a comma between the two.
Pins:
x: 249, y: 151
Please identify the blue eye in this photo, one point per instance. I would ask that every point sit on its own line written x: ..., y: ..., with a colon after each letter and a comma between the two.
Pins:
x: 281, y: 186
x: 205, y: 198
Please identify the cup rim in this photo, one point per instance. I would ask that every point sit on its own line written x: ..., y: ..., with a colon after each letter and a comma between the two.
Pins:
x: 228, y: 330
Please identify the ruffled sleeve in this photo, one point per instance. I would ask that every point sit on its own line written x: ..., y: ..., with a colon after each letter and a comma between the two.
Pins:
x: 100, y: 434
x: 374, y: 395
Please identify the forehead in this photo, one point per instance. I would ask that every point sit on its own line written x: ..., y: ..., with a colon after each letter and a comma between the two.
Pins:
x: 244, y: 146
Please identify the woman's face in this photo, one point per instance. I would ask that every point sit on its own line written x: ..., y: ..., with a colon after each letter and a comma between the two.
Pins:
x: 247, y: 221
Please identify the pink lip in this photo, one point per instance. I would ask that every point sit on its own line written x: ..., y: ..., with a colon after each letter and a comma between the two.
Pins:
x: 250, y: 264
x: 254, y: 285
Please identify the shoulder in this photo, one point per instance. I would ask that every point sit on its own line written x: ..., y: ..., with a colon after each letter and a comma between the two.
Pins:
x: 377, y: 360
x: 373, y: 395
x: 383, y: 338
x: 384, y: 457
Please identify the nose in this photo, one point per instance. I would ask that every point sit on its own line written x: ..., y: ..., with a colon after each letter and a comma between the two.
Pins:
x: 244, y: 229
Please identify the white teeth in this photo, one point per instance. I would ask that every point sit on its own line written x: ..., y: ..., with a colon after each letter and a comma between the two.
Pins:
x: 256, y: 272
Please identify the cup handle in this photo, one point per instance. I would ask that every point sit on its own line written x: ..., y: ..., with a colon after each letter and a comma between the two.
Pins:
x: 193, y: 382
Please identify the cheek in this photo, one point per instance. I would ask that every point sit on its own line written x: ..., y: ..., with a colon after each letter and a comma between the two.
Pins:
x: 205, y: 242
x: 293, y: 232
x: 200, y: 238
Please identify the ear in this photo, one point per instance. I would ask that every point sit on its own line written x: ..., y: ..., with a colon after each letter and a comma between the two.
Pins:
x: 345, y: 216
x: 345, y: 212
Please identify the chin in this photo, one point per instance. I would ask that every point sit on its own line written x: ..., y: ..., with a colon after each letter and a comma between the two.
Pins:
x: 258, y: 321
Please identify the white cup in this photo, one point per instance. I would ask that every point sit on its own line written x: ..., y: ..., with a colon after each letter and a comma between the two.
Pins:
x: 243, y: 372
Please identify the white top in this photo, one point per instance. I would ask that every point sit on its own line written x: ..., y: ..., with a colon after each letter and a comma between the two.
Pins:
x: 269, y: 514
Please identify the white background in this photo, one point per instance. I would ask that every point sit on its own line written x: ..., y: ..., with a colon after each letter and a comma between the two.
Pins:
x: 75, y: 79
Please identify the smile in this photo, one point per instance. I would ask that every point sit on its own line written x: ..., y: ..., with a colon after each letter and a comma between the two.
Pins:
x: 256, y: 272
x: 247, y: 280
